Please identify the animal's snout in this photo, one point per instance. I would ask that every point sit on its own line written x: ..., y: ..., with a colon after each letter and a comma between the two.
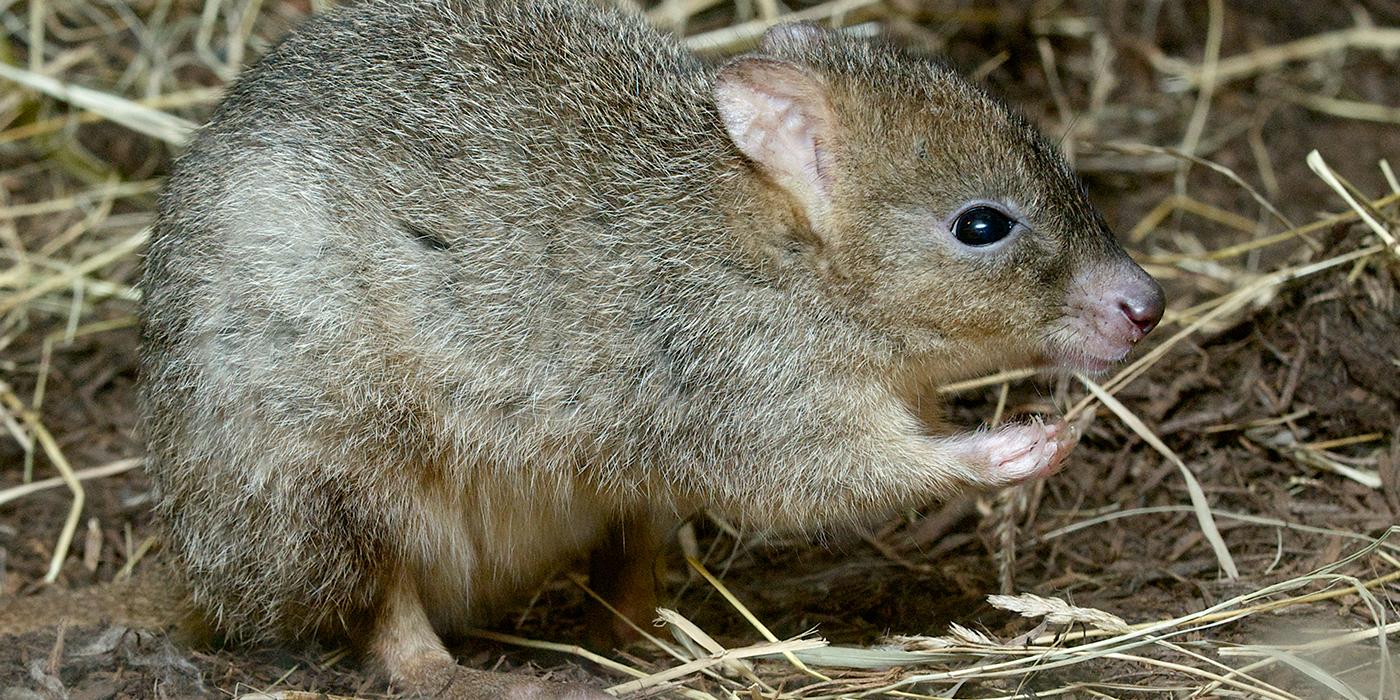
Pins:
x: 1142, y: 303
x: 1117, y: 305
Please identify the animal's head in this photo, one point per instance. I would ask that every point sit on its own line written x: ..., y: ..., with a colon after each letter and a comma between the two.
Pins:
x: 932, y: 211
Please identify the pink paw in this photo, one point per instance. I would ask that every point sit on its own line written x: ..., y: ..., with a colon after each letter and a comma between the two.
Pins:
x: 1025, y: 451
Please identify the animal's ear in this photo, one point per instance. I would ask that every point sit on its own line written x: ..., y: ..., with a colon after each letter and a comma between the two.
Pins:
x: 777, y: 114
x: 791, y: 36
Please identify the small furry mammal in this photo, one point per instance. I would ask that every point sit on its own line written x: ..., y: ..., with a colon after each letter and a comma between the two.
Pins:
x: 450, y: 291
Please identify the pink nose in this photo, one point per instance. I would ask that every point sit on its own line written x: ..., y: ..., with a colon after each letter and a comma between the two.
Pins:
x: 1143, y: 306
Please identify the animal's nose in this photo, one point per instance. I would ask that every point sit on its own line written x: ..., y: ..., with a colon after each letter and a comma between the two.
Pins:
x: 1143, y: 307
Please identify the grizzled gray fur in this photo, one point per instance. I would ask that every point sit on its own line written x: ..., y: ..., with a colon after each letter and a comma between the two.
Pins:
x: 447, y: 290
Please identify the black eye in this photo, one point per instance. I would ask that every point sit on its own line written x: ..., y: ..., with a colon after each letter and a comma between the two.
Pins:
x: 982, y: 226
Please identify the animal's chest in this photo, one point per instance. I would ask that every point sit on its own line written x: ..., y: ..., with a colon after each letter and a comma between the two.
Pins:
x: 478, y: 552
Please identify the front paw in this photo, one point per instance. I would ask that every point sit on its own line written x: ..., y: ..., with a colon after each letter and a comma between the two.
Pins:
x: 1016, y: 453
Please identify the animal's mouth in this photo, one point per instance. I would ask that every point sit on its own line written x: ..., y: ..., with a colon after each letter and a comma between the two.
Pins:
x: 1105, y: 315
x: 1079, y: 358
x: 1085, y: 343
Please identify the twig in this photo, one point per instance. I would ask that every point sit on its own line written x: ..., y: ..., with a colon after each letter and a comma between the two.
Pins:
x: 120, y: 466
x: 1319, y: 166
x: 65, y: 470
x: 1271, y: 57
x: 130, y: 114
x: 1193, y: 487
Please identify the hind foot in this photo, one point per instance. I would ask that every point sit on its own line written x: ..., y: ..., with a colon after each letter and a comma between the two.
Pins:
x: 407, y: 648
x: 448, y: 680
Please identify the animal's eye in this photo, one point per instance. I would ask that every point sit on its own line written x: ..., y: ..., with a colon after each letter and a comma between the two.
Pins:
x: 980, y: 226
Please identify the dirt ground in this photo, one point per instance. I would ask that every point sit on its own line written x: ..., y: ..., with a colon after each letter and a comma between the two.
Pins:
x: 1262, y: 406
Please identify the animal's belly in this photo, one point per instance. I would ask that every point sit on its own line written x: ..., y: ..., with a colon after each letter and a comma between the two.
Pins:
x: 477, y: 553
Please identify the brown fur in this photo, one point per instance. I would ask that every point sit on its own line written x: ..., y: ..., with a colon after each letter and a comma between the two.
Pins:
x: 447, y: 287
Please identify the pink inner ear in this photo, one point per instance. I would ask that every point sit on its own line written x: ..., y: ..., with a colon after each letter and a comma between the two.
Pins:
x: 784, y: 138
x: 776, y: 114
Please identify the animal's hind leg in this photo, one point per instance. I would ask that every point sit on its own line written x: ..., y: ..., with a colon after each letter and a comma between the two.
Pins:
x: 404, y: 643
x: 625, y: 571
